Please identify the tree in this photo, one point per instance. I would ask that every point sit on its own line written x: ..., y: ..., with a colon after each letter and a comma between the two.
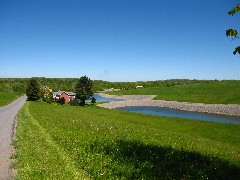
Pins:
x: 233, y: 32
x: 84, y: 89
x: 32, y: 90
x: 62, y: 101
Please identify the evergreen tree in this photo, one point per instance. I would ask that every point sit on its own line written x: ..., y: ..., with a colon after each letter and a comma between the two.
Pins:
x: 32, y: 90
x: 84, y: 89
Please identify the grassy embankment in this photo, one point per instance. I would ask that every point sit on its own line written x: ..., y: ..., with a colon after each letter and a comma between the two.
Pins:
x: 222, y: 92
x: 65, y: 142
x: 8, y: 97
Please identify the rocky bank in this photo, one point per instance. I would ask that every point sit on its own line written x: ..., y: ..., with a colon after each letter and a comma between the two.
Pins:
x: 147, y: 100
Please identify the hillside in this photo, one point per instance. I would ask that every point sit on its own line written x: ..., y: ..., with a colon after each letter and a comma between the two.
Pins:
x: 214, y: 92
x: 66, y: 142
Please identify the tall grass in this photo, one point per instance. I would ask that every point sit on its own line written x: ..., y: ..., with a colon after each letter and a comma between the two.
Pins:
x: 223, y: 92
x: 64, y: 142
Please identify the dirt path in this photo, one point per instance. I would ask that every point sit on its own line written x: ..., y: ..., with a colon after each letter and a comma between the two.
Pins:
x: 7, y: 118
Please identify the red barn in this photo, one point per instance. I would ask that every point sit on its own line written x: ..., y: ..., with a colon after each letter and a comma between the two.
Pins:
x: 66, y: 95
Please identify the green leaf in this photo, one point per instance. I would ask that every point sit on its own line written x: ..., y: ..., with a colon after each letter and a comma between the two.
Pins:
x: 237, y: 50
x: 232, y: 32
x: 235, y: 10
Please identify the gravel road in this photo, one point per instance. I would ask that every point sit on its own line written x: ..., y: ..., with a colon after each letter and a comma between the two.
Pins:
x: 7, y: 119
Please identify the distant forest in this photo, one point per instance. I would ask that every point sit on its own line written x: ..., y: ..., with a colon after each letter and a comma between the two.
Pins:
x: 68, y: 84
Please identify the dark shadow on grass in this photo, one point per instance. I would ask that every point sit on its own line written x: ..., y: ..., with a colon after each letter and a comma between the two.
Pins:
x: 154, y: 162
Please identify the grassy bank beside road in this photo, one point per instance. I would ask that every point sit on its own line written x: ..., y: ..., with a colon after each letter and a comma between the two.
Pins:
x: 66, y: 142
x: 219, y: 92
x: 8, y: 97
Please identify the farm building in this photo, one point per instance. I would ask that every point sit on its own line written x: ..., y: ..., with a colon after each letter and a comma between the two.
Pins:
x: 66, y: 95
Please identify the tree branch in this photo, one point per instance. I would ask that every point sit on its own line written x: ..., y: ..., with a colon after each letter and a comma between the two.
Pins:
x: 235, y: 10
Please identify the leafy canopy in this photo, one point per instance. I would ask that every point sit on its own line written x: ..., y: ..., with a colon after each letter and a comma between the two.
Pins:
x: 233, y: 32
x: 84, y: 88
x: 33, y: 90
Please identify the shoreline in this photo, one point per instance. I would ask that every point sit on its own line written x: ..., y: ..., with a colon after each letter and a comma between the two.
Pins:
x: 147, y: 100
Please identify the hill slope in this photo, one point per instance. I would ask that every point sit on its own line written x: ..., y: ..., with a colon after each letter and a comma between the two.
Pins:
x: 222, y: 92
x: 65, y: 142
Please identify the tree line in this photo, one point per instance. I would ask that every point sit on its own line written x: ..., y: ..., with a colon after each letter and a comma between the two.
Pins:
x: 69, y: 84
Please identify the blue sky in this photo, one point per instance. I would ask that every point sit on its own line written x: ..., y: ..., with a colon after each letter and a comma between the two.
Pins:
x: 118, y: 40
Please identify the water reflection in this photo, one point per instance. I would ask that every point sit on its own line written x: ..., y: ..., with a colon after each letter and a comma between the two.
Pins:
x: 102, y: 99
x: 182, y: 114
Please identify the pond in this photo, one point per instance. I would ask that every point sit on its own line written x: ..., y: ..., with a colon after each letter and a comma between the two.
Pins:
x: 102, y: 99
x: 182, y: 114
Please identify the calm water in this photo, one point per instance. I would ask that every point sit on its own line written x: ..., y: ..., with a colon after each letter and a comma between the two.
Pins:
x: 103, y: 99
x: 182, y: 114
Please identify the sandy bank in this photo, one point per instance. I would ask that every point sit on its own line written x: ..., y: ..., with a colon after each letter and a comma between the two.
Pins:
x: 147, y: 100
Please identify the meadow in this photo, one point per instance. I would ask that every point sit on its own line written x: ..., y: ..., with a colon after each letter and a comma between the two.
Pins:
x: 8, y: 97
x: 214, y: 92
x: 71, y: 142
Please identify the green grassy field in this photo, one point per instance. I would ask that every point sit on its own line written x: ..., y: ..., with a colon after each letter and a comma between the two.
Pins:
x: 223, y: 92
x: 68, y: 142
x: 8, y: 97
